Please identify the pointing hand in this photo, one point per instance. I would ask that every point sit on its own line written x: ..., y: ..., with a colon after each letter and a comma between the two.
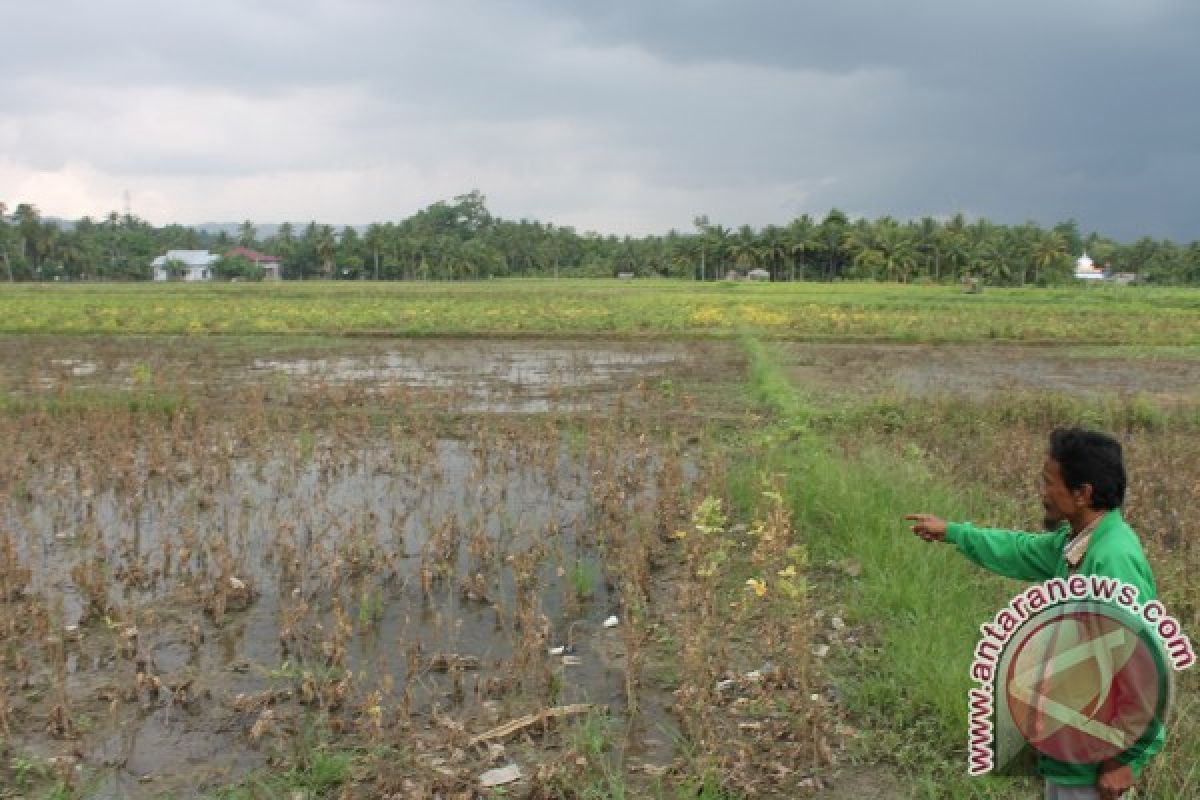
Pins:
x: 928, y: 527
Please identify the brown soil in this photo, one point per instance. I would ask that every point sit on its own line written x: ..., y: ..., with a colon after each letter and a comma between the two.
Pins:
x: 982, y: 370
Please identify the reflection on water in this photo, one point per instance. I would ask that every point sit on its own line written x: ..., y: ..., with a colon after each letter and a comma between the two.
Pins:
x: 415, y: 548
x: 482, y: 375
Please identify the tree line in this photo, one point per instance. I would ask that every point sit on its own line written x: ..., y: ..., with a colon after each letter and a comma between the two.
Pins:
x: 461, y: 240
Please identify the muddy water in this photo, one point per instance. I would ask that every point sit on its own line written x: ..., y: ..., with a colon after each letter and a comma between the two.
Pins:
x: 483, y: 375
x: 416, y: 541
x: 372, y: 560
x: 521, y: 379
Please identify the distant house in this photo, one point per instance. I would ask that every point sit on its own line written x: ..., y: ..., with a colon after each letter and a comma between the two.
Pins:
x: 185, y: 265
x: 758, y: 275
x: 269, y: 264
x: 1086, y: 270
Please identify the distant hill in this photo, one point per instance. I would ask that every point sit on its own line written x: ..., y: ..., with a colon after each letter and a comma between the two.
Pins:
x: 263, y: 230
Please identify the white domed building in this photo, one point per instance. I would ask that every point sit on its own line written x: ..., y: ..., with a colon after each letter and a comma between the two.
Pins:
x: 1086, y: 270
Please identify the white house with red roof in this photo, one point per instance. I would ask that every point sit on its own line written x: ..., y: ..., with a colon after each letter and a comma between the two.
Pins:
x: 270, y: 264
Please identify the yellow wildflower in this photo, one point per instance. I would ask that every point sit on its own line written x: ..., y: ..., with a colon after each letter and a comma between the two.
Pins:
x: 758, y: 587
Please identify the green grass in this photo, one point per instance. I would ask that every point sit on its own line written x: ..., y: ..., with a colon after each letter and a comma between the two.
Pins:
x: 76, y: 401
x: 318, y: 776
x: 1134, y: 316
x: 30, y: 777
x: 583, y: 579
x: 849, y: 482
x: 921, y: 603
x: 1033, y: 410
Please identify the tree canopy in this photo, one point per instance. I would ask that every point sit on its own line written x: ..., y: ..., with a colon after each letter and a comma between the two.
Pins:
x: 461, y: 240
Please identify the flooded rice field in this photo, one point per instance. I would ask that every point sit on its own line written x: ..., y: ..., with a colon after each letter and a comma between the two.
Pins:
x: 481, y: 567
x: 977, y: 371
x: 486, y: 375
x: 334, y: 542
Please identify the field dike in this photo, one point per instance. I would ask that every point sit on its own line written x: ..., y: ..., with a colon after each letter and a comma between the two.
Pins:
x: 914, y: 608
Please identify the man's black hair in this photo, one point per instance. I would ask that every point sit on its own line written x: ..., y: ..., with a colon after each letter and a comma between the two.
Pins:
x: 1091, y: 457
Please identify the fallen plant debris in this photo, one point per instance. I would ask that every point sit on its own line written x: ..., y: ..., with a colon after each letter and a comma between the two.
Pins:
x: 316, y: 577
x: 539, y: 719
x: 310, y: 566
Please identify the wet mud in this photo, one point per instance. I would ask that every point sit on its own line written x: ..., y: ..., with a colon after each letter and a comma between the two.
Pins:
x: 980, y: 370
x: 184, y: 605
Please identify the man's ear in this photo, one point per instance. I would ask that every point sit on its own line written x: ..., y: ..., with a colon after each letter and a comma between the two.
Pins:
x: 1083, y: 495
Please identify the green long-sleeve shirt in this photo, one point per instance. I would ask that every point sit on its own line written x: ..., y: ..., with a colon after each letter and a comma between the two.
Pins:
x: 1114, y: 551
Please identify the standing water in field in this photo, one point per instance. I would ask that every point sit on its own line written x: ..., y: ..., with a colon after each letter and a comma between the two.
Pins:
x: 204, y: 586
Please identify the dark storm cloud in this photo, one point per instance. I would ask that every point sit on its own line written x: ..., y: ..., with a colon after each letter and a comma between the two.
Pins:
x: 618, y: 115
x: 1011, y: 109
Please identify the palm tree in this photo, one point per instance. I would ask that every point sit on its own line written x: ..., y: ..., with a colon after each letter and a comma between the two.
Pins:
x: 986, y: 260
x: 899, y: 252
x: 1017, y: 248
x: 858, y: 243
x: 927, y: 236
x: 701, y: 223
x: 744, y: 248
x: 775, y: 249
x: 988, y: 253
x: 4, y: 240
x: 717, y: 246
x: 70, y: 252
x: 833, y: 227
x: 1049, y: 250
x: 374, y: 242
x: 326, y: 244
x: 44, y: 244
x: 804, y: 239
x: 684, y: 255
x: 956, y: 247
x: 29, y: 224
x: 247, y: 234
x: 550, y: 253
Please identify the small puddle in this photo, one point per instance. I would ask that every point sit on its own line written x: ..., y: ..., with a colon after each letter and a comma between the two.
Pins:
x: 77, y: 368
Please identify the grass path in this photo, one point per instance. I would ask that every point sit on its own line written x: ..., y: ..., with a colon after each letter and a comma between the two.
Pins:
x: 921, y: 604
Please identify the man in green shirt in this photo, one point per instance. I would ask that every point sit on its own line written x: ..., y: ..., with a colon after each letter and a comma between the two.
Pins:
x: 1082, y: 487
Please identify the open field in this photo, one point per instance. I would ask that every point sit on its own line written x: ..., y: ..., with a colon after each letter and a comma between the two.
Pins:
x: 385, y: 572
x: 1086, y: 315
x: 251, y: 558
x: 969, y: 446
x: 248, y: 566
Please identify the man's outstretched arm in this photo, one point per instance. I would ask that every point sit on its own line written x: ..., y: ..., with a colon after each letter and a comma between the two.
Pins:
x: 1014, y: 554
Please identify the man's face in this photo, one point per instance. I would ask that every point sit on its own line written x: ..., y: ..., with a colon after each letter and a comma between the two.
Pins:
x: 1058, y: 501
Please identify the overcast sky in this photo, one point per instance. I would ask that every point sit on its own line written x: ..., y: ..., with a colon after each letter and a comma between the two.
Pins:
x: 626, y: 116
